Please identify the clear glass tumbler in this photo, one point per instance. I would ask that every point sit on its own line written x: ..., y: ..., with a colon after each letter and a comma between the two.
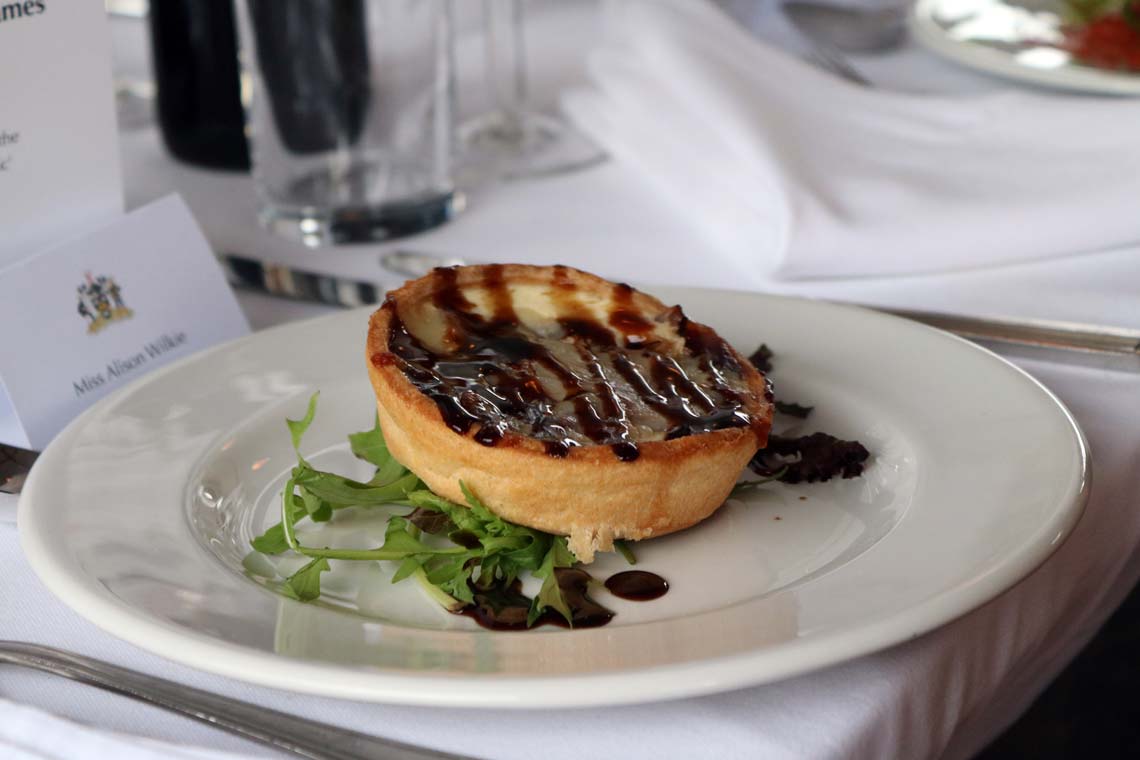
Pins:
x: 348, y: 113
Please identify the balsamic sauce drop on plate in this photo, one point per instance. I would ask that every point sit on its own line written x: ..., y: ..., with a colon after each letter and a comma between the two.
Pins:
x: 505, y: 608
x: 492, y: 381
x: 637, y: 585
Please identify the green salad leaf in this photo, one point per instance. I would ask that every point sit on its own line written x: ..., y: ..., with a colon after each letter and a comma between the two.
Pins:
x: 273, y: 540
x: 623, y: 548
x: 550, y: 596
x: 745, y: 486
x: 305, y: 584
x: 298, y: 428
x: 482, y: 553
x: 506, y: 551
x: 370, y: 446
x: 341, y: 492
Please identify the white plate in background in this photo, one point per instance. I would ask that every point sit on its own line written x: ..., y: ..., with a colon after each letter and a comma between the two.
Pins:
x: 1016, y: 39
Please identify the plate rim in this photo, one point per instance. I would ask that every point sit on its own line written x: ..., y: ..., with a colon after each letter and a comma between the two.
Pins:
x: 1083, y: 79
x: 613, y: 687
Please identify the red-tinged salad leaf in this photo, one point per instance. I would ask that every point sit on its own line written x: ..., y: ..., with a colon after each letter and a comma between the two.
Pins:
x: 502, y: 606
x: 761, y: 358
x: 810, y: 458
x: 792, y: 409
x: 431, y: 521
x: 805, y: 459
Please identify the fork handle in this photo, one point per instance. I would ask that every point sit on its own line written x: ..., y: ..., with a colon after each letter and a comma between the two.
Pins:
x: 307, y: 738
x: 1040, y: 333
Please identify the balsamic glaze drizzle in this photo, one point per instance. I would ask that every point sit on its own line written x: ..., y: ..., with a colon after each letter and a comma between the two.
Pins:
x: 505, y: 607
x: 637, y: 585
x: 500, y: 373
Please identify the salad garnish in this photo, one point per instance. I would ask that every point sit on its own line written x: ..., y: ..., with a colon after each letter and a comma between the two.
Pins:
x: 478, y: 565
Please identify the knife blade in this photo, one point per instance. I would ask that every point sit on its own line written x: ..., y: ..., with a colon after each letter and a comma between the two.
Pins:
x: 1099, y: 345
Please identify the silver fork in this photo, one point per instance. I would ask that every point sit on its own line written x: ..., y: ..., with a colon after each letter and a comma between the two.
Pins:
x: 301, y: 736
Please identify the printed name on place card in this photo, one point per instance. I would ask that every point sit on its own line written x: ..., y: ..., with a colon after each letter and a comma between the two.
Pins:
x: 103, y: 310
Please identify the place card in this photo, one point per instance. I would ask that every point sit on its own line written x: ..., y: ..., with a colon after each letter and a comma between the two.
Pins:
x: 89, y: 316
x: 59, y: 157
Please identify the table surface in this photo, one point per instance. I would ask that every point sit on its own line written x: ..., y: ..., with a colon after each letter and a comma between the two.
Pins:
x: 944, y: 694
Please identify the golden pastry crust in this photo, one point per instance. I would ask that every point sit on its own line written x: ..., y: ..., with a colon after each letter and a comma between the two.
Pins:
x: 588, y: 494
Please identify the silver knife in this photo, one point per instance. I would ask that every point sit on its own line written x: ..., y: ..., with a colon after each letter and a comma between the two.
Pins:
x: 1112, y: 347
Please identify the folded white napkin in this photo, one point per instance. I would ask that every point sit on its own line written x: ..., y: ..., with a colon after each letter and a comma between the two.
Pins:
x: 802, y: 174
x: 30, y: 734
x: 8, y: 508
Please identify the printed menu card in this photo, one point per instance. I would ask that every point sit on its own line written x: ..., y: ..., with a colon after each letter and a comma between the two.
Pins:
x: 59, y: 161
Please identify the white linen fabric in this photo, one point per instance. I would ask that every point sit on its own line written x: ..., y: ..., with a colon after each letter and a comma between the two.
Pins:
x: 910, y: 701
x: 7, y: 508
x: 30, y: 734
x: 944, y: 694
x: 794, y: 171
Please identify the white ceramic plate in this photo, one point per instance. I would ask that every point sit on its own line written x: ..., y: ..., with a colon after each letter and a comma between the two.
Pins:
x: 139, y: 515
x: 1017, y: 39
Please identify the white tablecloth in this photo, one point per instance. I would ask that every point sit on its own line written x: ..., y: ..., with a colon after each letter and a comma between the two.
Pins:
x: 944, y: 694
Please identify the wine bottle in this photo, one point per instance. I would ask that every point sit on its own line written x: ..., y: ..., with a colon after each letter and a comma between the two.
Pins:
x: 199, y: 107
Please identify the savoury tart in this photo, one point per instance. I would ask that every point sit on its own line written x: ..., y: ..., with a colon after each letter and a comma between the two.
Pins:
x: 565, y: 402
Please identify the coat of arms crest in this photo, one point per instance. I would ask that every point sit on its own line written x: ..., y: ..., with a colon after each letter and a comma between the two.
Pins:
x: 101, y: 302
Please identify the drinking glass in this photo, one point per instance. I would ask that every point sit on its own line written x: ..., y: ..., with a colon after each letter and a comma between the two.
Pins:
x: 348, y: 113
x: 134, y: 87
x: 127, y: 8
x: 513, y: 139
